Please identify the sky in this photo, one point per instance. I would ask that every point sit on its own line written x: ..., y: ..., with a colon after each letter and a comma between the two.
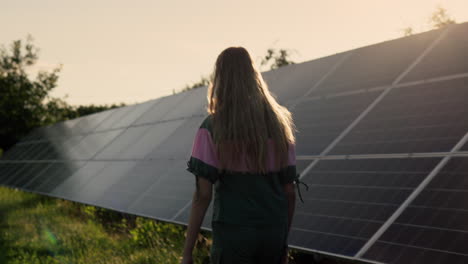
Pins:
x: 114, y: 51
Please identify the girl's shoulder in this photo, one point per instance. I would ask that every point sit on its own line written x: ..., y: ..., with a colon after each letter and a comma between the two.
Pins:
x: 207, y: 123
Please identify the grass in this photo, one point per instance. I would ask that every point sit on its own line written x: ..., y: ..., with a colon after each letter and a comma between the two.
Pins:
x: 37, y: 229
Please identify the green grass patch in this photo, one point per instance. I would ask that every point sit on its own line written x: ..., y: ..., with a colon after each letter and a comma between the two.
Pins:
x: 38, y: 229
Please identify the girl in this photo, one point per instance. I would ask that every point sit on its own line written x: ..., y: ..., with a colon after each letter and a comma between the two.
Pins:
x: 245, y: 147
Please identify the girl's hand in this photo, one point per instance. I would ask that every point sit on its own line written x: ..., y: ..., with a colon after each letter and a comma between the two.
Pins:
x: 187, y: 259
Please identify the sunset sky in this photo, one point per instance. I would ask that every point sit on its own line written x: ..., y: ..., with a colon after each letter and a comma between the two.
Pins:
x: 134, y: 51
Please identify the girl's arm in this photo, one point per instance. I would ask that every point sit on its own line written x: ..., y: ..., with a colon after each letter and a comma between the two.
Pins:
x: 200, y: 204
x: 291, y: 197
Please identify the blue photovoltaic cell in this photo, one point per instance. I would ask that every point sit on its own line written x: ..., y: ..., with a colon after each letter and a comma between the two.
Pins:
x: 376, y: 65
x: 348, y: 200
x: 114, y: 119
x: 434, y: 227
x: 465, y: 147
x: 122, y: 142
x: 72, y: 187
x: 320, y: 121
x: 291, y: 82
x: 24, y: 173
x: 448, y: 57
x: 179, y: 144
x: 134, y: 184
x: 102, y: 181
x: 150, y: 140
x: 165, y: 198
x: 158, y: 112
x: 91, y: 144
x: 52, y: 176
x: 89, y: 123
x: 134, y: 113
x: 192, y: 104
x: 420, y: 118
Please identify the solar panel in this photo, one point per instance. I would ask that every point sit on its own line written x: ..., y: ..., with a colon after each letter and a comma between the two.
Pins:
x: 173, y: 190
x: 95, y: 186
x: 178, y: 144
x: 292, y: 82
x: 134, y: 113
x: 465, y: 147
x: 348, y: 200
x: 434, y: 227
x: 376, y: 65
x: 24, y: 172
x: 89, y: 123
x: 151, y: 139
x: 92, y: 143
x: 320, y: 121
x: 72, y: 187
x: 163, y: 106
x: 373, y: 123
x: 52, y: 176
x: 418, y: 118
x: 447, y: 58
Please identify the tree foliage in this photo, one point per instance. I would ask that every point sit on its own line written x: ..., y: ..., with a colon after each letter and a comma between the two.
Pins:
x: 277, y: 59
x: 204, y: 81
x: 26, y: 104
x: 21, y: 103
x: 438, y: 19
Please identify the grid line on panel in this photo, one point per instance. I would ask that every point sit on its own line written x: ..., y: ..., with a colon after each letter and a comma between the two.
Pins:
x: 385, y: 156
x: 335, y: 255
x: 181, y: 210
x: 410, y: 198
x: 319, y: 82
x: 379, y: 88
x: 113, y: 110
x: 438, y: 208
x: 326, y: 233
x: 23, y: 187
x: 424, y: 248
x: 346, y: 201
x: 313, y: 88
x: 364, y: 186
x: 377, y: 100
x: 432, y: 80
x: 340, y: 217
x: 144, y: 193
x: 434, y: 227
x: 144, y: 133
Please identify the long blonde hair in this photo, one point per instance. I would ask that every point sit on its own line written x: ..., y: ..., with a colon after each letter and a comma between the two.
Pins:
x: 245, y: 114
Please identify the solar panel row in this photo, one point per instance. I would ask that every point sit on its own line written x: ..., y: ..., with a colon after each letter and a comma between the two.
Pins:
x: 401, y: 96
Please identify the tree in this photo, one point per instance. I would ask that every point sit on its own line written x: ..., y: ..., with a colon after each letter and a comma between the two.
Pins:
x: 25, y: 104
x: 278, y: 59
x: 21, y: 103
x: 204, y: 81
x: 408, y: 31
x: 439, y: 19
